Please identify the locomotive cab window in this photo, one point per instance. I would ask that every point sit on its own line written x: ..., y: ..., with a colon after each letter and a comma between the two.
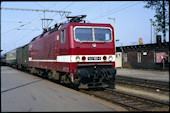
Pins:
x: 92, y: 34
x: 63, y: 38
x: 83, y: 34
x: 102, y: 34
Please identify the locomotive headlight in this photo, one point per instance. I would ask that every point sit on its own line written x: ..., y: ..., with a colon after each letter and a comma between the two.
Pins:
x: 77, y: 58
x: 104, y: 58
x: 110, y: 58
x: 83, y: 58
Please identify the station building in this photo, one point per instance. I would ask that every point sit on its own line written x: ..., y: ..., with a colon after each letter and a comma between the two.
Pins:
x: 144, y: 56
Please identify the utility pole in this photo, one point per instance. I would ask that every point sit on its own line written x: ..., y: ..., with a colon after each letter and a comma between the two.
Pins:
x: 154, y: 34
x: 164, y: 31
x: 151, y: 30
x: 114, y: 32
x: 44, y: 25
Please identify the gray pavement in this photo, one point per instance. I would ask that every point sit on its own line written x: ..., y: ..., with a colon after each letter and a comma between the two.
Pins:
x: 21, y: 92
x: 144, y: 74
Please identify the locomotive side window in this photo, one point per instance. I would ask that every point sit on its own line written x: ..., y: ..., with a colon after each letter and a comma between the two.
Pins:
x: 63, y: 36
x: 83, y: 34
x: 102, y: 34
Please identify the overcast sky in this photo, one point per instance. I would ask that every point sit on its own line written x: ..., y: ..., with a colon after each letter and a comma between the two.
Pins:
x: 132, y: 20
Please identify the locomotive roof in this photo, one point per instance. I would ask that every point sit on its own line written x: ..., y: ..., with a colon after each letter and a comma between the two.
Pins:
x: 63, y: 25
x: 90, y: 24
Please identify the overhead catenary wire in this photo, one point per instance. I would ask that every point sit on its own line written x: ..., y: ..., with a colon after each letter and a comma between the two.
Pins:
x: 19, y: 9
x: 40, y: 5
x: 14, y: 28
x: 63, y: 9
x: 43, y: 7
x: 52, y: 6
x: 3, y: 4
x: 67, y: 7
x: 19, y: 27
x: 111, y: 10
x: 114, y: 11
x: 31, y: 10
x: 18, y: 34
x: 87, y: 7
x: 10, y: 21
x: 24, y: 36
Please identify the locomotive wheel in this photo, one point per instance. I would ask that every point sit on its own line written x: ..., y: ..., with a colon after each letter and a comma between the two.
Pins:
x: 40, y: 73
x: 30, y: 71
x: 50, y: 75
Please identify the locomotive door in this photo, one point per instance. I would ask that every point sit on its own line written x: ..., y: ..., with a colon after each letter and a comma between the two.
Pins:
x: 56, y: 49
x: 118, y: 59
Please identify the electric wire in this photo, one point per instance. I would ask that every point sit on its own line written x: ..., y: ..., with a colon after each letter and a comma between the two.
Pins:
x: 22, y: 25
x: 114, y: 11
x: 86, y: 7
x: 18, y: 33
x: 14, y: 28
x: 40, y: 5
x: 63, y: 9
x: 109, y: 12
x: 14, y: 21
x: 60, y: 15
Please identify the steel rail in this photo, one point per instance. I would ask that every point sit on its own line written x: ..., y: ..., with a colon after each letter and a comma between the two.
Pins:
x: 127, y: 106
x: 141, y: 97
x: 144, y: 86
x: 142, y: 83
x: 131, y: 102
x: 143, y: 80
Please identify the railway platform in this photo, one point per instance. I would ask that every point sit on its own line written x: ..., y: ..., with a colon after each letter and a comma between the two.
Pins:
x: 155, y: 75
x: 22, y: 92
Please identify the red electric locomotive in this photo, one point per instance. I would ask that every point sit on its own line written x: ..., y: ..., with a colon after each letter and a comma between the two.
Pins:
x: 76, y: 52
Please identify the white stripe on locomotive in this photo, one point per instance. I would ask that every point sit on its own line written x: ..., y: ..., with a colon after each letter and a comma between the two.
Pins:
x: 72, y: 58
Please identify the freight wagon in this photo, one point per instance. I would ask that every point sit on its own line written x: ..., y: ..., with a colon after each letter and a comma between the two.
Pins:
x: 10, y: 58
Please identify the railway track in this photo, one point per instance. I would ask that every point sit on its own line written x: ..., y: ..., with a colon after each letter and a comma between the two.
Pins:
x: 130, y: 101
x: 143, y: 84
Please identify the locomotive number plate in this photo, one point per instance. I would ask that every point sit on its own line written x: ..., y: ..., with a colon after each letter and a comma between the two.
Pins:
x: 94, y: 58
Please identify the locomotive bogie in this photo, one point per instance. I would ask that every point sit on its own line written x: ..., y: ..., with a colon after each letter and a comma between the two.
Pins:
x: 95, y: 76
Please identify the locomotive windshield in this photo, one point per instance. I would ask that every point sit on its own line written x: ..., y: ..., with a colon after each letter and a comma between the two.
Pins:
x: 86, y: 34
x: 102, y: 34
x: 83, y: 34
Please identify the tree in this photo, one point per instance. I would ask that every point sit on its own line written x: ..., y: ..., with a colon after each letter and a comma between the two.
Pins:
x: 161, y: 8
